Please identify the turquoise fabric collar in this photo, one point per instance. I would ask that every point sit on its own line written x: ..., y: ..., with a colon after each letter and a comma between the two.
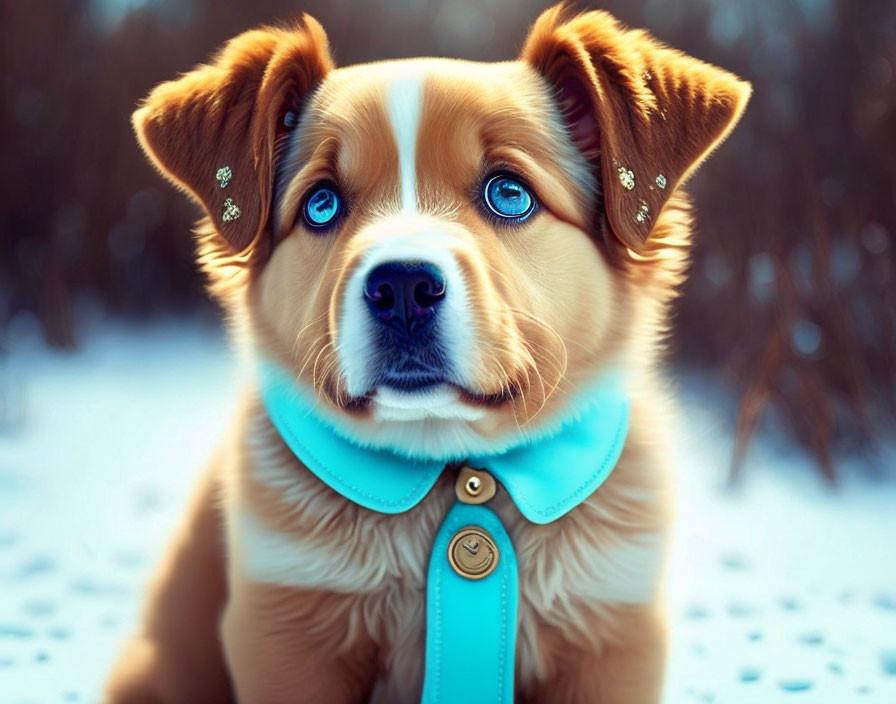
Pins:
x: 546, y: 478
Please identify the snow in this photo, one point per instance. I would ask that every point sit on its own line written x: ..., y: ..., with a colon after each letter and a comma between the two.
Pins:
x: 781, y: 590
x: 784, y: 586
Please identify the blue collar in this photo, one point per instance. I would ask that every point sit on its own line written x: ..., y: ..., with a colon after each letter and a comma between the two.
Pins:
x: 546, y: 478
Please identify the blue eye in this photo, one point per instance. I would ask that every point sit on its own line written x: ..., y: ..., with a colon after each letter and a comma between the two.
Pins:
x: 322, y: 206
x: 507, y: 198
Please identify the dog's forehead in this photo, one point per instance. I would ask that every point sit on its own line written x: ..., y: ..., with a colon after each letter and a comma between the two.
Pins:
x: 434, y: 103
x: 511, y: 83
x: 431, y: 110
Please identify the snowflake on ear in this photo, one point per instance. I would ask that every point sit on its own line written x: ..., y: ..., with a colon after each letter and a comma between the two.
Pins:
x: 224, y: 174
x: 231, y: 211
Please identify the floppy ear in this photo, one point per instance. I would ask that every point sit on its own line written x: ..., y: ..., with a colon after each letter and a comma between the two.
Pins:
x: 648, y: 114
x: 212, y: 131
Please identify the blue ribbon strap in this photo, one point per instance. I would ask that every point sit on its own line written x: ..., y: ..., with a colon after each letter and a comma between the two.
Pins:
x: 470, y: 624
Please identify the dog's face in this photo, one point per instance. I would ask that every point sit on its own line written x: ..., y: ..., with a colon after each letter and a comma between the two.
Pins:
x: 432, y: 227
x: 445, y: 252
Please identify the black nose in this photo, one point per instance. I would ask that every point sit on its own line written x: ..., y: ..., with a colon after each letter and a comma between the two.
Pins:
x: 404, y: 295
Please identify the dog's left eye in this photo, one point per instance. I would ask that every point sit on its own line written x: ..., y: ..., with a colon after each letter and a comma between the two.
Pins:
x: 323, y: 204
x: 507, y: 197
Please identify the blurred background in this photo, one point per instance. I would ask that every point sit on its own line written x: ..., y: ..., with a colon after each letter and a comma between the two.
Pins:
x: 791, y: 301
x: 786, y: 332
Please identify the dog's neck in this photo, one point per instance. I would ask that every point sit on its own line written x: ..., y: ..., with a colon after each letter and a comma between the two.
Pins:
x: 546, y: 476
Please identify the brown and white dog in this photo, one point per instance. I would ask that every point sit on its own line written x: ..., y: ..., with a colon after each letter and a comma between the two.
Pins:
x: 522, y: 223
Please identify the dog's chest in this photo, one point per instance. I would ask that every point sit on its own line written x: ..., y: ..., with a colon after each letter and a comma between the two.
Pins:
x: 291, y: 530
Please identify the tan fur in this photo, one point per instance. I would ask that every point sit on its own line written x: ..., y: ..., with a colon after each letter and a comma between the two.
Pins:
x: 319, y: 599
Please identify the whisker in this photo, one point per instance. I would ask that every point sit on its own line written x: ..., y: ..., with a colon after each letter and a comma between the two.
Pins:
x: 301, y: 332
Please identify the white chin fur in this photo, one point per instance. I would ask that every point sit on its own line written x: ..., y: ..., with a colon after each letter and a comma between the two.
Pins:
x: 432, y: 424
x: 428, y: 438
x: 440, y: 401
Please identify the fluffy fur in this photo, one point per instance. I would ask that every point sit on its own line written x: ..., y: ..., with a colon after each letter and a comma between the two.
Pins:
x: 277, y: 590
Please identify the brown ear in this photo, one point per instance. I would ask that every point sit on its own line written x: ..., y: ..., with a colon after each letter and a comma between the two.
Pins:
x: 221, y: 120
x: 648, y: 113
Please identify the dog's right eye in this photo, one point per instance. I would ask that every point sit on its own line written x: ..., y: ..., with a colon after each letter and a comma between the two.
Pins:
x: 507, y: 197
x: 323, y: 205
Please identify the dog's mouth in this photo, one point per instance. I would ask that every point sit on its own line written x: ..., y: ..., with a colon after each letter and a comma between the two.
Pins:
x: 412, y: 382
x: 411, y: 374
x: 419, y: 395
x: 423, y: 396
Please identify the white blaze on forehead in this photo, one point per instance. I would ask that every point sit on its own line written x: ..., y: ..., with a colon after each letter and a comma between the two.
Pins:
x: 405, y: 104
x: 405, y: 420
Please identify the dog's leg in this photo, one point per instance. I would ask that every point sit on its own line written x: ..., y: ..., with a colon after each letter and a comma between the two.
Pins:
x: 176, y: 657
x: 628, y: 669
x: 631, y: 670
x: 289, y: 646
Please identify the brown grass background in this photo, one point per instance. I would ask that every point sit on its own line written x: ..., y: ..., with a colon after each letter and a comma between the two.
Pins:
x: 791, y: 301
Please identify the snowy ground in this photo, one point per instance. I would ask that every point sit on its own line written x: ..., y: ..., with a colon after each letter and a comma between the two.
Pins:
x: 780, y: 591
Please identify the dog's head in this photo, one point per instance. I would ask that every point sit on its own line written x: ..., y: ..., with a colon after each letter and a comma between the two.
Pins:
x: 445, y: 252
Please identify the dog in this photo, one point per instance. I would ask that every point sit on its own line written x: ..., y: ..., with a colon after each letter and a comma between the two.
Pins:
x: 442, y: 254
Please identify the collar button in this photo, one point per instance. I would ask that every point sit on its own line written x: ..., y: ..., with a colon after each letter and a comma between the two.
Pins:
x: 474, y: 486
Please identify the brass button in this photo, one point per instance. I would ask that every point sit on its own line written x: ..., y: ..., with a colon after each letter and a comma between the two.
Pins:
x: 473, y: 553
x: 474, y: 486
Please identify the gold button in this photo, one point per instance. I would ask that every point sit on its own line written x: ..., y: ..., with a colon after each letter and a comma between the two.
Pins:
x: 472, y: 553
x: 474, y: 486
